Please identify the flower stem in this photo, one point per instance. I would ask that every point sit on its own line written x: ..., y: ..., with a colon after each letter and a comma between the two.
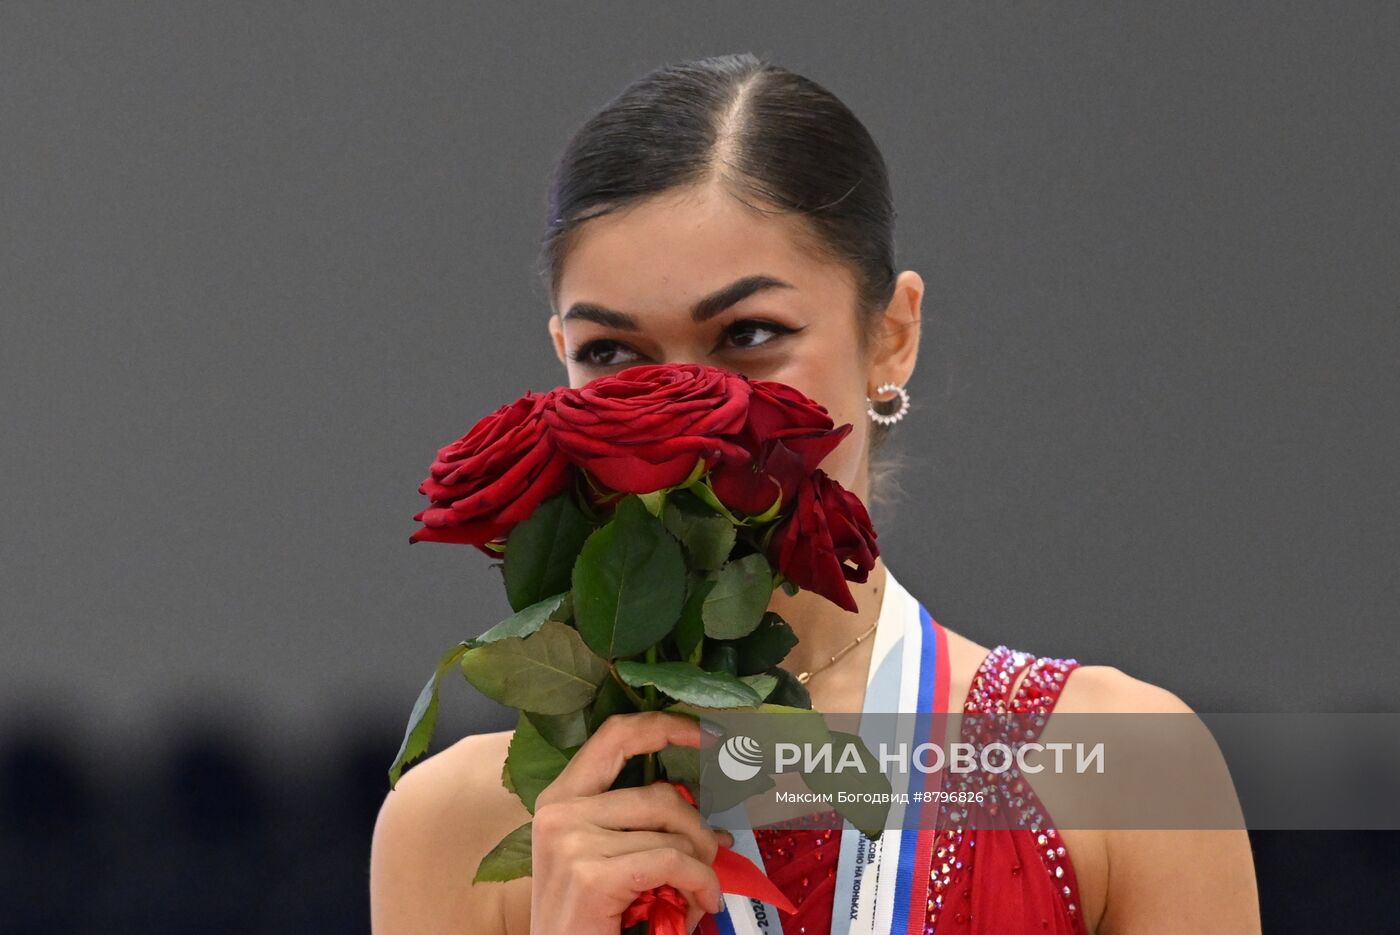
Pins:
x: 627, y: 690
x: 651, y: 689
x: 649, y: 765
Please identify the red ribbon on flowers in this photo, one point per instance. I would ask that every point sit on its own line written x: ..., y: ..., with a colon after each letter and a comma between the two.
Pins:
x: 741, y: 876
x: 663, y: 907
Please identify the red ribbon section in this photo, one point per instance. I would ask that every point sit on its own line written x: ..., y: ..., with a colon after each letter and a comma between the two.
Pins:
x: 737, y: 874
x: 662, y: 908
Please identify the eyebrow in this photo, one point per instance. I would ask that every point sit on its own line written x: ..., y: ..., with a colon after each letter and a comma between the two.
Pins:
x: 707, y: 308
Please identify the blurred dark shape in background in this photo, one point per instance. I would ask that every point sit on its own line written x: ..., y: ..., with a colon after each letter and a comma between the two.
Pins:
x: 213, y: 839
x: 209, y: 838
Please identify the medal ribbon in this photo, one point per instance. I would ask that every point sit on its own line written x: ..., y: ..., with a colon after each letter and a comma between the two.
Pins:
x: 881, y: 884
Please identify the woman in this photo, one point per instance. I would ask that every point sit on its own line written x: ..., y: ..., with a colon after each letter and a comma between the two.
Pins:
x: 733, y: 213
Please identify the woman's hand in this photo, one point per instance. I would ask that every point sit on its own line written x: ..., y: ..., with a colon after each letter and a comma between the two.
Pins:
x: 595, y: 849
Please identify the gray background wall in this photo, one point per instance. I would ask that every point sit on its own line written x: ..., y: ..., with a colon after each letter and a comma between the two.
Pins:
x: 258, y: 261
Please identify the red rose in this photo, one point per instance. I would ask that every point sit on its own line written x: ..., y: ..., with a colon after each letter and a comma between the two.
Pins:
x: 493, y: 477
x: 643, y: 428
x: 827, y: 541
x: 779, y: 411
x: 788, y: 435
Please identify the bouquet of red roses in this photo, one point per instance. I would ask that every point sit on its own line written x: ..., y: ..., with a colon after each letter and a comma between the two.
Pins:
x: 643, y: 521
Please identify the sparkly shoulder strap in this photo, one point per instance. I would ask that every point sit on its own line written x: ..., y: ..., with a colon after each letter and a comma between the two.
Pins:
x: 1010, y: 795
x: 1041, y: 687
x: 990, y: 690
x: 991, y: 684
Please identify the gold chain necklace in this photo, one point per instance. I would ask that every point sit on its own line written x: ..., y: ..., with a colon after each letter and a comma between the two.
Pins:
x: 804, y: 677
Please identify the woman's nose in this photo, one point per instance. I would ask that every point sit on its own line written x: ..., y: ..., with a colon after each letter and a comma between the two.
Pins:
x: 681, y: 352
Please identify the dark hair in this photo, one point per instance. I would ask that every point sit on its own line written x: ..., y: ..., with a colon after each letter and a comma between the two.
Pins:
x: 776, y: 140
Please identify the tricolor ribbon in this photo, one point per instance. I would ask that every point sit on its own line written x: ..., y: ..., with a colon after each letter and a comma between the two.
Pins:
x: 877, y: 882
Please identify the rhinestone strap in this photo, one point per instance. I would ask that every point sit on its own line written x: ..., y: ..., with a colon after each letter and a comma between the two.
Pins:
x: 990, y: 693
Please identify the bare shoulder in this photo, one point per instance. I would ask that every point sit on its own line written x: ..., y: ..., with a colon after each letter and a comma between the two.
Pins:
x: 1107, y: 690
x: 1166, y: 881
x: 1163, y: 882
x: 1088, y: 690
x: 434, y: 827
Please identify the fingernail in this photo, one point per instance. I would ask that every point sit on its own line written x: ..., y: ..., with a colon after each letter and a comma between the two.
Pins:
x: 711, y: 729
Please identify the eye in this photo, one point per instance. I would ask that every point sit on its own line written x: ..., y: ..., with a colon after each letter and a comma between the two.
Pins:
x: 753, y: 332
x: 603, y: 353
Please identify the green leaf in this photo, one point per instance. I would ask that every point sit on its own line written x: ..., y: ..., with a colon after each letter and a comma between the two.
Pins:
x: 689, y: 683
x: 868, y: 816
x: 527, y: 621
x: 707, y: 538
x: 780, y: 723
x: 789, y: 587
x: 682, y: 764
x: 628, y: 583
x: 790, y: 691
x: 540, y: 552
x: 532, y: 762
x: 720, y: 656
x: 736, y: 604
x: 506, y: 780
x: 508, y: 860
x: 563, y: 731
x: 719, y: 794
x: 690, y: 631
x: 611, y: 700
x: 684, y: 498
x: 709, y: 714
x: 423, y: 718
x: 763, y: 684
x: 766, y: 646
x: 549, y: 672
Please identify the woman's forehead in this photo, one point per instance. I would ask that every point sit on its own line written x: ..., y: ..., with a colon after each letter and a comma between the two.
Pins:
x: 668, y: 252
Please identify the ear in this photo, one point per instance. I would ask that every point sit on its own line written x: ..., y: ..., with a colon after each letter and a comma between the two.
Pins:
x: 897, y: 337
x: 556, y: 335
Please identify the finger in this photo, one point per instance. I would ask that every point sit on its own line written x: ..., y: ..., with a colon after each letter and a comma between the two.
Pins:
x: 620, y: 737
x: 646, y: 869
x: 616, y: 843
x: 656, y: 807
x: 694, y: 912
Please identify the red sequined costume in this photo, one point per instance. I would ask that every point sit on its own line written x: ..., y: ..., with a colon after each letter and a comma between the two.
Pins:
x: 992, y: 881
